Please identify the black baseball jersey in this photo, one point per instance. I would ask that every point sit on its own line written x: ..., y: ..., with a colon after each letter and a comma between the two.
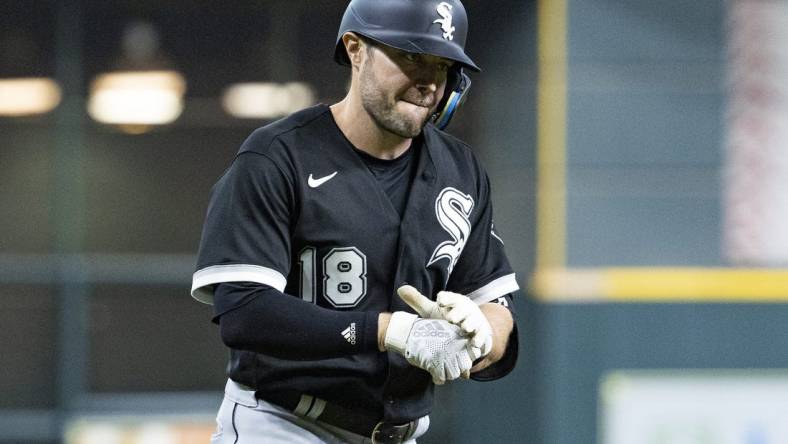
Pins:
x: 299, y: 210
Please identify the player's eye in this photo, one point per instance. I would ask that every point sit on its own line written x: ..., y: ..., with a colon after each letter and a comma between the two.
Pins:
x: 411, y: 57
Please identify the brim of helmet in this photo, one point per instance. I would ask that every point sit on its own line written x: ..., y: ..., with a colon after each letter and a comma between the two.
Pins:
x: 423, y: 45
x: 436, y: 46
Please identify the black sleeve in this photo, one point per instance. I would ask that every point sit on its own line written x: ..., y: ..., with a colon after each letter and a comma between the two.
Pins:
x: 261, y: 319
x: 246, y: 235
x: 509, y: 359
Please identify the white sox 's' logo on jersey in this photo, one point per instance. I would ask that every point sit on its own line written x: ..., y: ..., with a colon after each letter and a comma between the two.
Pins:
x: 444, y: 10
x: 453, y: 209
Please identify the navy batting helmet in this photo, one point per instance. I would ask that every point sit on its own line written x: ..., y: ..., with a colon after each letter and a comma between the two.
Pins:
x: 432, y: 27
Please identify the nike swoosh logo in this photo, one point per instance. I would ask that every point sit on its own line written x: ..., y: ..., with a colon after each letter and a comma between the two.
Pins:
x: 314, y: 183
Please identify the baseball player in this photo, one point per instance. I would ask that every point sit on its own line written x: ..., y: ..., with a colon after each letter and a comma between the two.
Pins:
x: 349, y: 250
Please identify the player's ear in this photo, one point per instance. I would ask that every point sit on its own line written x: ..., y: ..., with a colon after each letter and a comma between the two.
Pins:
x: 355, y: 48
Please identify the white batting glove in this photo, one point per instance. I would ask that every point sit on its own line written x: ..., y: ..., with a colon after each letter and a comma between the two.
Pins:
x: 458, y: 309
x: 434, y: 345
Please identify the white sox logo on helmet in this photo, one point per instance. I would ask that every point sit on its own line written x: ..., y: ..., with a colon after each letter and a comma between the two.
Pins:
x: 453, y: 209
x: 444, y: 10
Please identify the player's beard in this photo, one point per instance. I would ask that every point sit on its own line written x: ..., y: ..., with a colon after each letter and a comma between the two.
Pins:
x: 377, y: 105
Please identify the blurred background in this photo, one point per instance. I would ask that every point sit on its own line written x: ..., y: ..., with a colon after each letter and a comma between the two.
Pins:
x: 637, y: 152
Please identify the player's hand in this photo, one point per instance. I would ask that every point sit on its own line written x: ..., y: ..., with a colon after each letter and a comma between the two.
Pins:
x: 455, y: 308
x: 434, y: 345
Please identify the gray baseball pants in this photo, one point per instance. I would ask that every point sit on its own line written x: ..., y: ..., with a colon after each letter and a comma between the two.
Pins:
x: 244, y: 419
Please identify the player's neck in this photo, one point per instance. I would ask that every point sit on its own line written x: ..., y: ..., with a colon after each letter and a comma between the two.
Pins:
x: 359, y: 128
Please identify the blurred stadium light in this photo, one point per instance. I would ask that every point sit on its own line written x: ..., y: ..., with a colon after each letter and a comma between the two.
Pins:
x: 142, y: 92
x: 266, y: 100
x: 28, y: 96
x: 137, y: 98
x: 26, y: 87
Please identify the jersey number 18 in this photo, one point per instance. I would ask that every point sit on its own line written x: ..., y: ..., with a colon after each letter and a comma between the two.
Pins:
x: 344, y: 276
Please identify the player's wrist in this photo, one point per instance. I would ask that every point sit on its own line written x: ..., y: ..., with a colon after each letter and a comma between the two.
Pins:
x: 383, y: 325
x: 398, y: 331
x: 501, y: 325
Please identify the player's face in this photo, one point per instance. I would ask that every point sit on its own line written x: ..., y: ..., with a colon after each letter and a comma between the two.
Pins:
x: 400, y: 90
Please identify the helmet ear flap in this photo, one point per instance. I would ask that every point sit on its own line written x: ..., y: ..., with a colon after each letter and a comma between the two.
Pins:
x: 457, y: 86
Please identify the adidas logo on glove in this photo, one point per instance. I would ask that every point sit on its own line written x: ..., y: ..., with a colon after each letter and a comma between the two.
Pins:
x: 350, y: 333
x: 430, y: 330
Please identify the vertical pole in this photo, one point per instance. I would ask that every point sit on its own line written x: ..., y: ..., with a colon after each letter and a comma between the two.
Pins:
x: 68, y: 212
x: 551, y: 137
